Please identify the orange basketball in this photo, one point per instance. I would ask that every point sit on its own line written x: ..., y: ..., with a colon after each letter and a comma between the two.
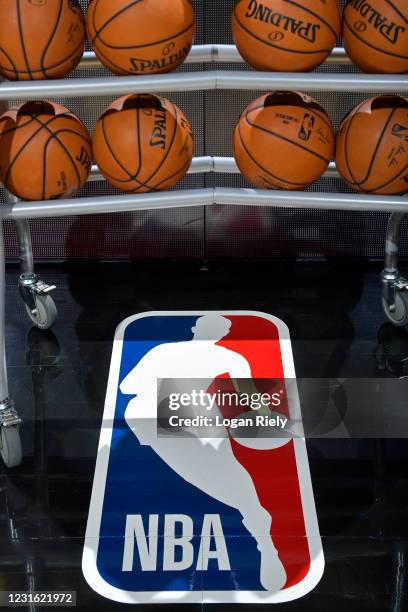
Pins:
x: 375, y: 35
x: 45, y: 151
x: 143, y: 143
x: 372, y: 146
x: 145, y: 37
x: 40, y: 39
x: 283, y: 140
x: 286, y: 36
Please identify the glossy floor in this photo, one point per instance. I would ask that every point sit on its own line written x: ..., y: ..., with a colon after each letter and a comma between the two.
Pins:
x: 58, y: 381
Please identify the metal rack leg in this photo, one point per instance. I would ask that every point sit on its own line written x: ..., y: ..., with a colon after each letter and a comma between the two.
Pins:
x: 10, y: 444
x: 35, y: 293
x: 25, y: 247
x: 394, y: 286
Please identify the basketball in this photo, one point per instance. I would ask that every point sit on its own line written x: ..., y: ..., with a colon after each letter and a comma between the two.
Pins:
x: 372, y: 146
x: 145, y: 37
x: 283, y: 140
x: 375, y: 35
x: 40, y: 39
x: 285, y: 36
x: 45, y: 151
x: 143, y: 143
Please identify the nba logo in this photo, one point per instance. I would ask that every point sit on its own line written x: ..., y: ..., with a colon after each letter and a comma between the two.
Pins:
x: 199, y: 518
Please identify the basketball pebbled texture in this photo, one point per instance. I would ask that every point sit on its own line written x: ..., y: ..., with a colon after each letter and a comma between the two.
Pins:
x: 143, y: 143
x: 143, y: 36
x: 375, y: 34
x: 40, y: 39
x: 45, y: 151
x: 283, y: 140
x: 286, y: 35
x: 372, y: 146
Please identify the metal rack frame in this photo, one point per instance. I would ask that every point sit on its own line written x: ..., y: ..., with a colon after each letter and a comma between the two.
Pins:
x: 35, y: 293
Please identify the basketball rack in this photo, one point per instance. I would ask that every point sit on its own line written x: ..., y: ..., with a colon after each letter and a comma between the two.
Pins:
x: 36, y: 294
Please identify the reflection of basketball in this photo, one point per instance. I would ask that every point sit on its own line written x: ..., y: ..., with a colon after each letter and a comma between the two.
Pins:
x: 45, y: 151
x: 283, y: 140
x: 376, y: 35
x: 143, y: 143
x: 372, y: 146
x: 39, y: 39
x: 283, y: 35
x: 145, y: 37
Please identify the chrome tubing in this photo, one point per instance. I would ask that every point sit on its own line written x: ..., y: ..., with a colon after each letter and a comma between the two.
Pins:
x: 4, y: 391
x: 203, y: 81
x: 205, y: 54
x: 205, y: 197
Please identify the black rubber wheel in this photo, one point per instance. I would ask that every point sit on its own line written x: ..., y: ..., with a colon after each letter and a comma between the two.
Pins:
x: 399, y: 316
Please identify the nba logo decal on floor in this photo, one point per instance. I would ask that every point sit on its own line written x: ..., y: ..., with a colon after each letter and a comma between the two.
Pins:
x: 190, y: 517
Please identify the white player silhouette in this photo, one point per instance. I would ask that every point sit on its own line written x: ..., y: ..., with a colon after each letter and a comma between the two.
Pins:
x: 209, y: 464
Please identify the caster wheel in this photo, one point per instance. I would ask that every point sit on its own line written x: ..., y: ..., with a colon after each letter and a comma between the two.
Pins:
x: 400, y: 315
x: 46, y: 312
x: 10, y: 446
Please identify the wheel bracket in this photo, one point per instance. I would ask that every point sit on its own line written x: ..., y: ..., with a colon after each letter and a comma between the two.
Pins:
x: 401, y: 284
x: 30, y: 286
x: 8, y: 414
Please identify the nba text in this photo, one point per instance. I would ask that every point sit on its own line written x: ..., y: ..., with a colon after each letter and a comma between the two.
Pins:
x: 177, y: 540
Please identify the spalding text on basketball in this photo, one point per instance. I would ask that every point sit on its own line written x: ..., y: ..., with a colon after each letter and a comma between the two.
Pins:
x: 84, y: 159
x: 158, y: 138
x: 388, y: 29
x: 166, y: 62
x: 307, y: 31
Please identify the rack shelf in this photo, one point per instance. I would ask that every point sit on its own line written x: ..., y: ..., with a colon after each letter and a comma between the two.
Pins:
x: 203, y: 81
x: 206, y: 81
x: 203, y: 197
x: 208, y: 164
x: 16, y: 209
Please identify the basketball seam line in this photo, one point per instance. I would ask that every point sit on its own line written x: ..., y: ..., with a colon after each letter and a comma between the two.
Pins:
x: 97, y: 32
x: 307, y: 10
x: 20, y: 31
x: 395, y: 178
x: 141, y: 183
x: 152, y: 44
x: 351, y: 119
x: 10, y: 60
x: 374, y: 155
x: 54, y: 136
x: 145, y: 182
x: 46, y: 148
x: 33, y: 70
x: 281, y: 137
x: 167, y: 178
x: 17, y: 155
x: 375, y: 189
x: 396, y: 9
x: 139, y: 144
x: 252, y: 158
x: 125, y: 170
x: 111, y: 18
x: 48, y: 44
x: 16, y: 127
